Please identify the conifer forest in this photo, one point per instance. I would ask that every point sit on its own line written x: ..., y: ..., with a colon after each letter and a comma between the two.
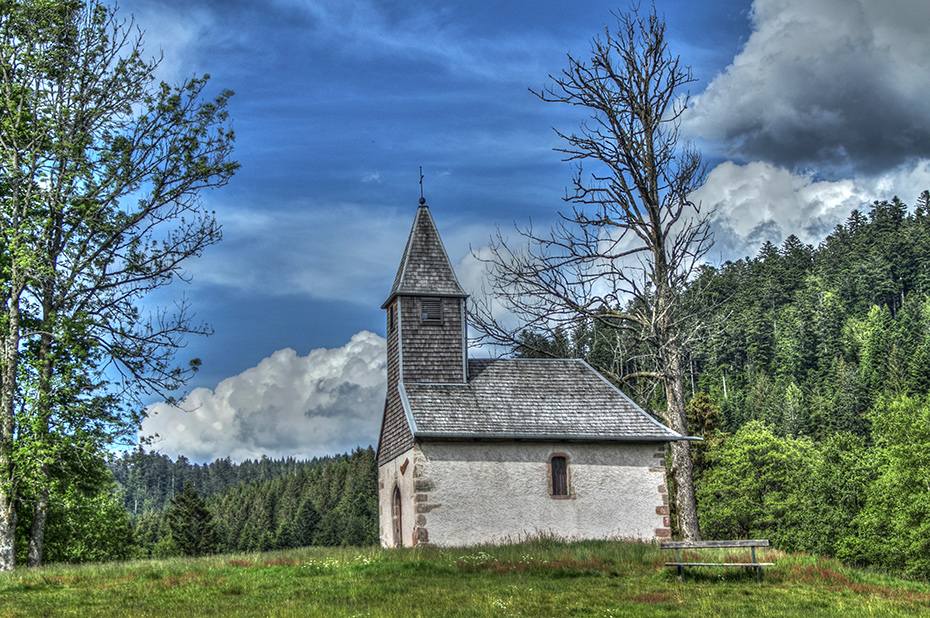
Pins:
x: 145, y: 504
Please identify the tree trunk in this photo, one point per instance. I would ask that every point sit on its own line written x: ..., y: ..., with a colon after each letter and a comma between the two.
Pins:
x: 7, y: 427
x: 42, y: 412
x: 39, y: 517
x: 7, y: 531
x: 685, y: 501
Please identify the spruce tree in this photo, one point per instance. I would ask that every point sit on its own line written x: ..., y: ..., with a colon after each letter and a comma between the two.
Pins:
x: 307, y: 524
x: 192, y: 527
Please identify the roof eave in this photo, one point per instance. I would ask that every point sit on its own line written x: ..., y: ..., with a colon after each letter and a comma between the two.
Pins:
x: 440, y: 435
x: 421, y: 295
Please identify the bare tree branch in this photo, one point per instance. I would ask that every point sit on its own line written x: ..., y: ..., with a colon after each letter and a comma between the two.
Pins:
x: 624, y: 253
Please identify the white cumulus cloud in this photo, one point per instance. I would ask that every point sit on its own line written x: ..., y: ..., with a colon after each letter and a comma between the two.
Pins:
x: 759, y: 202
x: 327, y: 402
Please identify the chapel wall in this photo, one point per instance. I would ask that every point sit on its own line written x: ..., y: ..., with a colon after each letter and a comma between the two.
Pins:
x: 475, y: 493
x: 398, y: 472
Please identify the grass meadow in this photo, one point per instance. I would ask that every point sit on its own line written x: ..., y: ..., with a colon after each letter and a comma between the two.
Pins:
x: 540, y: 578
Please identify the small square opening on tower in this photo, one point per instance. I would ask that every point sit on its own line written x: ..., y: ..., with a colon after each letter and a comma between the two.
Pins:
x: 431, y: 309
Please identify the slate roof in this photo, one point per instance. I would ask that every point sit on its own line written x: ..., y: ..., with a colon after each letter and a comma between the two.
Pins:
x: 425, y: 269
x: 529, y: 399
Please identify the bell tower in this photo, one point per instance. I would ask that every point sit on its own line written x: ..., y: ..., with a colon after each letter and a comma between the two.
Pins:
x: 426, y: 336
x: 426, y: 312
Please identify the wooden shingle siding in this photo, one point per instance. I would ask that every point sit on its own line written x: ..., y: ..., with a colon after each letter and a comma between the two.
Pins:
x: 396, y: 436
x: 433, y: 352
x: 395, y: 432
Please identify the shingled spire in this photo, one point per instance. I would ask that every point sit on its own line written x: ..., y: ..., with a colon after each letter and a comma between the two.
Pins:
x: 427, y: 309
x: 425, y: 269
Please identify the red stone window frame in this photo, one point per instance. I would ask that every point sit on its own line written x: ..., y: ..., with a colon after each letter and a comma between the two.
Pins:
x: 559, y: 476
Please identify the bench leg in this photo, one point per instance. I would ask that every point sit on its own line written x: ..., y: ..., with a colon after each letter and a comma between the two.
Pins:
x: 681, y: 569
x: 758, y: 568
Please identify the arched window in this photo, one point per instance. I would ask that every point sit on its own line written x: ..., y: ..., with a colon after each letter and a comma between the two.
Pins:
x: 397, y: 518
x: 558, y: 476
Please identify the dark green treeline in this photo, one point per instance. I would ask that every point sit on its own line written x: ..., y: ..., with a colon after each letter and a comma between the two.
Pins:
x: 255, y: 505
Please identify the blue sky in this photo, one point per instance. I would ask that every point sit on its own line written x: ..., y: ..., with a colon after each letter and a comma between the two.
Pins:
x: 803, y: 111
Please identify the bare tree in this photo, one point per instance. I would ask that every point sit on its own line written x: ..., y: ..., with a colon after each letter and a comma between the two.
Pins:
x: 622, y: 257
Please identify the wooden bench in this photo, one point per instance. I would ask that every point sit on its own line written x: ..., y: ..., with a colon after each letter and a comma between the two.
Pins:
x: 751, y: 544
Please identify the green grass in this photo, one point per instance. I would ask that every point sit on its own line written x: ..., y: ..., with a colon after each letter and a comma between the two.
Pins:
x: 541, y: 578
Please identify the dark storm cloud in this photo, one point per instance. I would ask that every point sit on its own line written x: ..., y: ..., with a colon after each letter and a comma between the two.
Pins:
x: 836, y: 84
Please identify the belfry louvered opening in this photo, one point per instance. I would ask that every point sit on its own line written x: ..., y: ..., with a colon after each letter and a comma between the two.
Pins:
x: 431, y: 309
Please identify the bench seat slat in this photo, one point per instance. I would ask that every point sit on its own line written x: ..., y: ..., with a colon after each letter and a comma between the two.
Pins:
x: 714, y: 544
x: 721, y: 564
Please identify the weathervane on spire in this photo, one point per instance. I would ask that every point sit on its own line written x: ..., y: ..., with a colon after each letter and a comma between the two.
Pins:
x: 422, y: 199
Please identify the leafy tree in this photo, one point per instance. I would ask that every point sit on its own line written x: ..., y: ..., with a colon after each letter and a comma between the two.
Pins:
x: 87, y: 522
x: 97, y: 529
x: 632, y: 240
x: 100, y: 169
x: 193, y: 530
x: 835, y: 494
x: 893, y: 529
x: 754, y: 486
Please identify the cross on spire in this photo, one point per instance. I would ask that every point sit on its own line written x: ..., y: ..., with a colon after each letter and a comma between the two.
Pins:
x: 422, y: 199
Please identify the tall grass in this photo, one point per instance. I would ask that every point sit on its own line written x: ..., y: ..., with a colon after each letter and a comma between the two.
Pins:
x: 536, y: 578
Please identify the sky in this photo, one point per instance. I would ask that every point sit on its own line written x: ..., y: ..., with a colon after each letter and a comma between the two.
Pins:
x: 803, y: 111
